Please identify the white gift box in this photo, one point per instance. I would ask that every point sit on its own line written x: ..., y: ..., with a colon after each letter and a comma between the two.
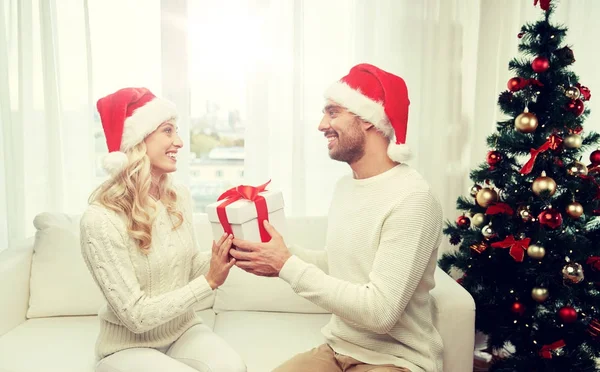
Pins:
x: 243, y: 216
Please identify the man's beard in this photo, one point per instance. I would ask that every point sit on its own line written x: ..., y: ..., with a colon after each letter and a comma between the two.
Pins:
x: 350, y: 147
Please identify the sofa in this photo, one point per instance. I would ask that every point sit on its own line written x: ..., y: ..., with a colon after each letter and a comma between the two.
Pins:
x: 49, y: 303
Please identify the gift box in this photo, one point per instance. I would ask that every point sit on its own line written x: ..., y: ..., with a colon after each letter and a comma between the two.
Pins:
x: 241, y: 211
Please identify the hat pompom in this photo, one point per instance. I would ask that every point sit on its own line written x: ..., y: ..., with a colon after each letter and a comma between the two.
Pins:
x: 399, y: 152
x: 114, y: 162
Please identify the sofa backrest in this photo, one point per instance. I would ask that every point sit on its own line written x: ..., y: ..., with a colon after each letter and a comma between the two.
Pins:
x: 61, y: 285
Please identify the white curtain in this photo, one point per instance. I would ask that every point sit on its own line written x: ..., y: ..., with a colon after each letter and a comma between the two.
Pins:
x: 272, y: 58
x: 45, y: 122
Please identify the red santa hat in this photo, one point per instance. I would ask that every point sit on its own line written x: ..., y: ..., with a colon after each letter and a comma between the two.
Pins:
x: 377, y: 97
x: 128, y: 116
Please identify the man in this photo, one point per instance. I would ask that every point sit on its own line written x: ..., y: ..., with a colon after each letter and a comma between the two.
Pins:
x: 384, y: 229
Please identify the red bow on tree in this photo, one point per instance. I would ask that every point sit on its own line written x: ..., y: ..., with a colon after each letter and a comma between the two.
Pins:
x: 517, y: 247
x: 499, y: 208
x: 552, y: 143
x: 547, y: 350
x: 594, y: 263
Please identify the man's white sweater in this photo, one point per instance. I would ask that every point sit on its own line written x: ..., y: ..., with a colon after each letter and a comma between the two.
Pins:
x: 377, y: 271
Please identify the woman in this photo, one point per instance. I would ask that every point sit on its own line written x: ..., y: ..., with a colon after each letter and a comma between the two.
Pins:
x: 138, y: 242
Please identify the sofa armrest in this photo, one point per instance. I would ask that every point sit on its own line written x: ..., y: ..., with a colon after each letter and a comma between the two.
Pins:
x: 455, y: 320
x: 15, y: 268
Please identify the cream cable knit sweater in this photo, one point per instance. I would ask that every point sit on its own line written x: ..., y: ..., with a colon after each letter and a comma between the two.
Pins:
x: 382, y: 242
x: 150, y: 298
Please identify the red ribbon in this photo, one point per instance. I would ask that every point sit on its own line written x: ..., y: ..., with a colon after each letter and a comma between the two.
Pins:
x: 593, y: 180
x: 499, y: 208
x: 552, y: 143
x: 517, y: 247
x: 250, y: 193
x: 594, y: 263
x: 544, y: 4
x: 546, y: 351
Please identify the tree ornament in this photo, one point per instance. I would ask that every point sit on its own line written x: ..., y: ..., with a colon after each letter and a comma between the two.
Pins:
x: 586, y: 94
x: 594, y: 328
x: 517, y: 308
x: 488, y: 232
x: 543, y: 184
x: 515, y: 84
x: 455, y: 239
x: 576, y: 107
x: 479, y: 219
x: 573, y: 141
x: 577, y: 169
x: 572, y: 92
x: 526, y: 122
x: 463, y: 222
x: 540, y: 64
x: 539, y: 294
x: 573, y: 273
x: 567, y: 314
x: 474, y: 190
x: 494, y: 158
x: 479, y: 247
x: 525, y: 214
x: 565, y: 56
x: 595, y: 158
x: 536, y: 251
x: 574, y: 210
x: 486, y: 196
x: 550, y: 218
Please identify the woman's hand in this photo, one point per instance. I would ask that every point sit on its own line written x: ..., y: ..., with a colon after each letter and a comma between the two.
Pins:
x: 220, y: 261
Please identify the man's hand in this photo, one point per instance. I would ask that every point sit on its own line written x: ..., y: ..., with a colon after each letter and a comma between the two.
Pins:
x: 264, y: 259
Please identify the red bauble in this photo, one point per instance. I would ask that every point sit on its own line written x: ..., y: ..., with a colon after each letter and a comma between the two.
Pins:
x: 567, y: 314
x: 540, y: 64
x: 463, y: 222
x: 494, y: 157
x: 595, y: 158
x: 551, y: 218
x: 515, y: 84
x: 520, y: 35
x: 576, y: 107
x: 518, y: 308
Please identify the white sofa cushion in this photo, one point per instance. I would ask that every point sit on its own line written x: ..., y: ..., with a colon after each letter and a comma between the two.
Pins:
x: 58, y: 344
x: 60, y: 282
x: 265, y: 340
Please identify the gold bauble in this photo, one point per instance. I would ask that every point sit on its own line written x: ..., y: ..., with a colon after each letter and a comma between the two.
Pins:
x: 536, y: 251
x: 573, y: 141
x: 539, y: 294
x: 573, y: 273
x: 577, y: 169
x: 543, y: 184
x: 574, y: 210
x: 486, y: 196
x: 526, y: 122
x: 573, y: 92
x: 479, y: 219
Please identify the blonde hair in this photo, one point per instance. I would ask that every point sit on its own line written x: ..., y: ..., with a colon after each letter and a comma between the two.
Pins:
x: 128, y: 194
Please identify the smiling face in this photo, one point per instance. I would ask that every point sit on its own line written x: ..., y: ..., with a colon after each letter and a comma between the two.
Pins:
x: 161, y: 148
x: 345, y: 136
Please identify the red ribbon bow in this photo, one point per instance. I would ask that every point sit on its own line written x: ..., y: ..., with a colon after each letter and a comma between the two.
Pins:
x: 250, y: 193
x: 552, y: 143
x: 546, y: 351
x: 499, y: 208
x: 544, y: 4
x: 594, y: 263
x: 517, y: 247
x: 593, y: 180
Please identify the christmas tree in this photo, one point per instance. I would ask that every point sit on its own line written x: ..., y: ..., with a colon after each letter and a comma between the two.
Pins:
x: 529, y: 238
